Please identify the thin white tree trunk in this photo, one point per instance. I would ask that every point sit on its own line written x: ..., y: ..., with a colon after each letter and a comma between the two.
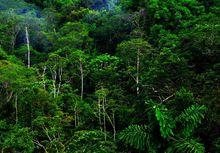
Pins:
x: 16, y: 108
x: 82, y: 79
x: 40, y: 145
x: 112, y: 122
x: 60, y: 71
x: 43, y: 77
x: 138, y: 68
x: 28, y: 47
x: 104, y: 120
x: 113, y: 125
x: 99, y: 109
x: 54, y: 76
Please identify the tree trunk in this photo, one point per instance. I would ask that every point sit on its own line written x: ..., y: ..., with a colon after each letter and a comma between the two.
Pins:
x: 28, y: 47
x: 43, y: 77
x: 138, y: 69
x: 113, y: 125
x: 99, y: 108
x: 104, y: 120
x: 16, y: 108
x: 82, y: 79
x: 40, y: 145
x: 60, y: 73
x: 112, y: 122
x: 75, y: 114
x: 54, y: 76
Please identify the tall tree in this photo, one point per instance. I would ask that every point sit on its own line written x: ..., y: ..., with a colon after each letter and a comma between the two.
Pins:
x: 140, y: 49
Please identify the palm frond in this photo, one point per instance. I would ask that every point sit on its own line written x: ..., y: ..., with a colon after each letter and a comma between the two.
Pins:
x: 136, y: 136
x: 165, y: 121
x: 190, y: 118
x: 188, y: 146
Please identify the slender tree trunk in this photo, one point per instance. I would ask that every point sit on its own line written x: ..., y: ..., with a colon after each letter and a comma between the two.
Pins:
x: 43, y: 77
x: 104, y: 120
x: 16, y: 108
x: 54, y: 76
x: 60, y: 71
x: 113, y: 125
x: 28, y: 47
x: 82, y: 85
x: 40, y: 145
x: 138, y: 68
x: 54, y: 89
x: 112, y: 122
x: 99, y: 107
x: 82, y: 79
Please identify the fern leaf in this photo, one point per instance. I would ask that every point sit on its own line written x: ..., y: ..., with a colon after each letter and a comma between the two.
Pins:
x: 188, y: 146
x: 165, y: 121
x: 190, y: 118
x: 136, y: 136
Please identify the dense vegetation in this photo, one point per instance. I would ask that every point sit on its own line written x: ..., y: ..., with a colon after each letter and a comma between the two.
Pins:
x: 109, y: 76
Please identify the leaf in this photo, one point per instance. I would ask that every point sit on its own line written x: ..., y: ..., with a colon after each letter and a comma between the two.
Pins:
x: 165, y: 121
x: 190, y: 118
x: 187, y: 146
x: 136, y: 136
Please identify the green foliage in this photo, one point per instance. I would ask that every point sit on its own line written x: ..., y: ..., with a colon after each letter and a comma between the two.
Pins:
x: 16, y: 76
x: 3, y: 55
x: 103, y: 68
x: 90, y: 141
x: 74, y: 35
x: 49, y: 128
x: 129, y: 49
x: 190, y: 118
x: 16, y: 138
x: 93, y: 65
x: 53, y: 3
x: 105, y: 62
x: 183, y: 95
x: 136, y: 136
x: 102, y: 93
x: 165, y: 120
x: 187, y: 146
x: 36, y: 57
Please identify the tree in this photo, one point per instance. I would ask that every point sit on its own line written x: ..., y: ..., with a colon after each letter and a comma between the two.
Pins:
x: 15, y: 138
x: 138, y: 48
x: 91, y: 141
x: 108, y: 29
x: 14, y: 79
x: 74, y: 35
x: 9, y: 28
x: 36, y: 56
x: 103, y: 69
x: 56, y: 65
x: 49, y: 128
x: 79, y: 60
